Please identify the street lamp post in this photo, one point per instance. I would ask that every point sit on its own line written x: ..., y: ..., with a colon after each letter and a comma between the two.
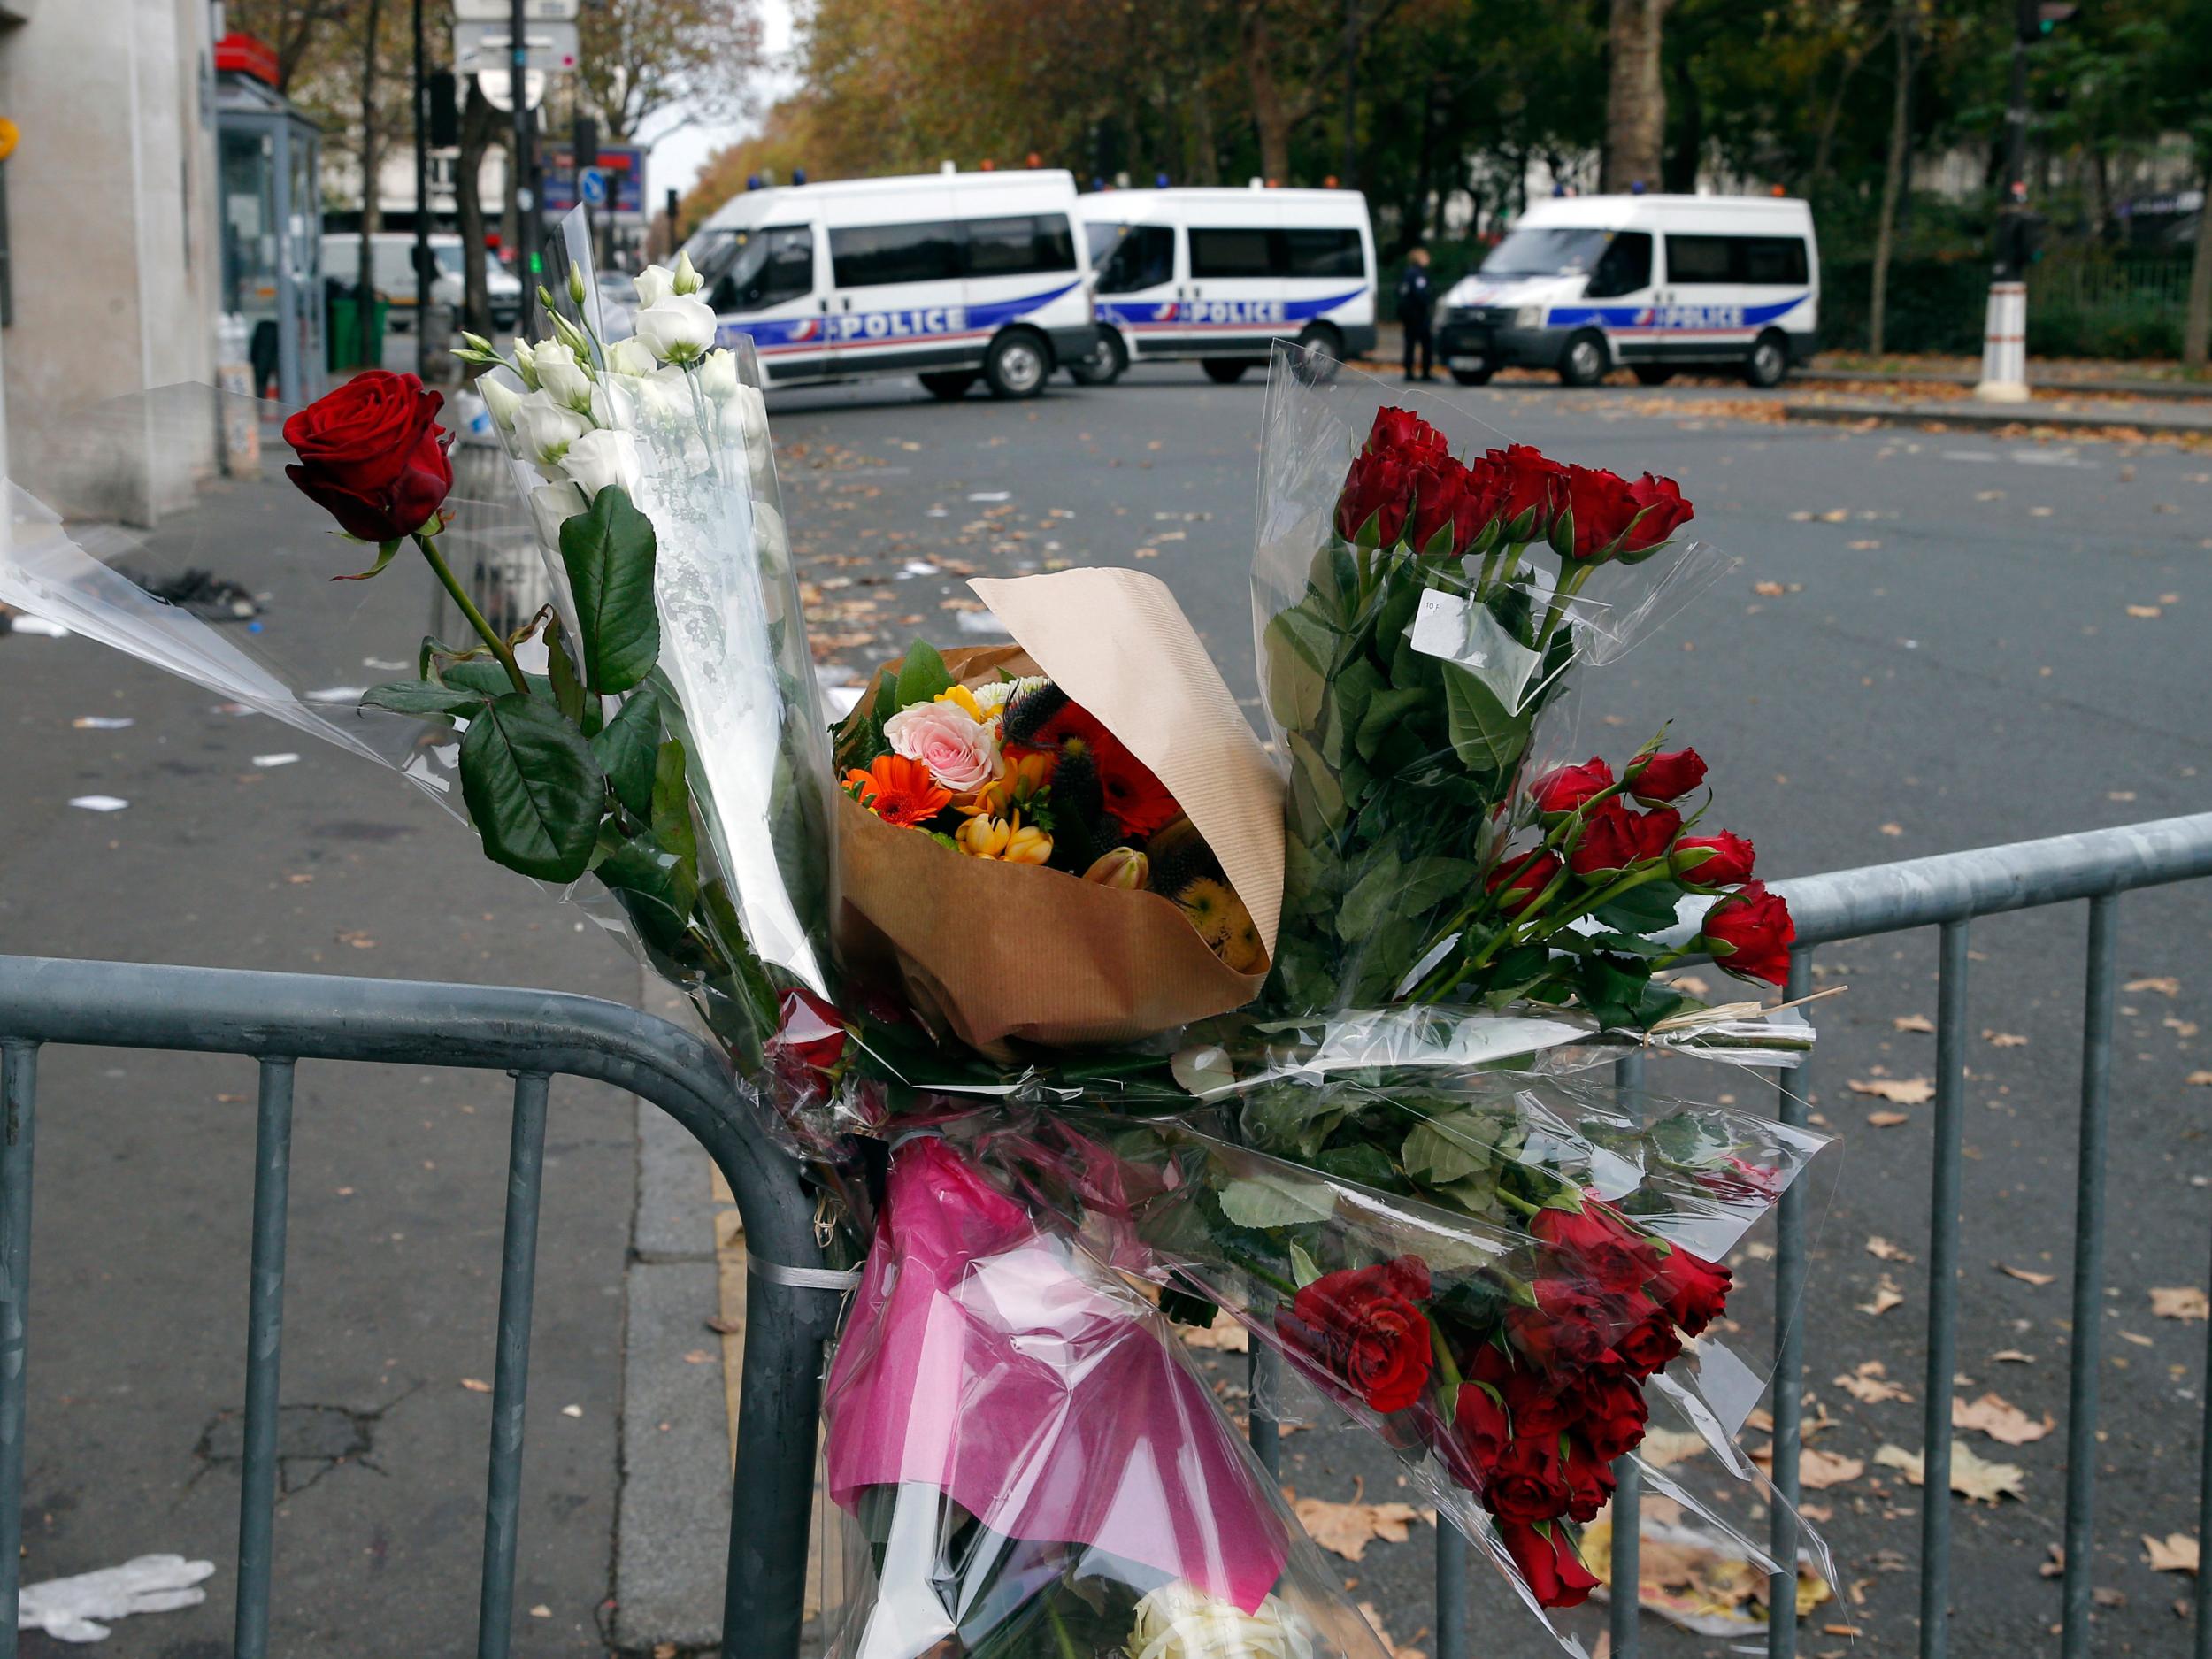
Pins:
x: 2005, y: 332
x: 524, y: 188
x: 422, y: 209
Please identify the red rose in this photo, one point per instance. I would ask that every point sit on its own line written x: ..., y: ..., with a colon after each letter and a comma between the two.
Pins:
x: 372, y: 455
x: 1655, y: 831
x: 1662, y: 512
x: 1648, y: 1345
x: 1561, y: 790
x: 1526, y: 1483
x: 1692, y: 1290
x: 1405, y: 432
x: 1549, y: 1562
x: 1539, y: 1405
x: 1480, y: 1426
x: 1743, y: 1180
x: 1667, y: 777
x: 1600, y: 507
x: 1376, y: 489
x: 1364, y: 1327
x: 1570, y: 1329
x: 1750, y: 934
x: 1522, y: 879
x: 812, y: 1030
x: 1613, y: 838
x: 1706, y: 862
x: 1589, y: 1482
x: 1444, y: 498
x: 1611, y: 1414
x: 1533, y: 487
x: 1600, y: 1244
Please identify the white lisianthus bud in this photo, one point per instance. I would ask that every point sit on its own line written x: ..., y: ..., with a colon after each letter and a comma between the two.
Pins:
x: 544, y: 431
x: 678, y: 329
x: 525, y: 364
x: 630, y: 357
x: 502, y: 399
x: 655, y: 284
x: 552, y: 505
x: 1180, y: 1621
x: 561, y: 377
x: 718, y: 373
x: 602, y: 458
x: 576, y: 284
x: 685, y: 275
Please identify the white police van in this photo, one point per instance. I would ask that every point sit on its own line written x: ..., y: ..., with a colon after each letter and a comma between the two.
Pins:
x: 1653, y: 283
x: 947, y: 275
x: 1220, y: 275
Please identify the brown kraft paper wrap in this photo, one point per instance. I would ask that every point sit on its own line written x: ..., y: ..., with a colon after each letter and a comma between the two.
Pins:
x: 999, y: 954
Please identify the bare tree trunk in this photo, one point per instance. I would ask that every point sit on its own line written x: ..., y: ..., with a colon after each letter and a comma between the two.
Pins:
x: 1892, y: 176
x: 479, y: 127
x: 1824, y: 148
x: 1679, y: 171
x: 1269, y: 114
x: 1636, y: 99
x: 2196, y: 332
x: 365, y: 291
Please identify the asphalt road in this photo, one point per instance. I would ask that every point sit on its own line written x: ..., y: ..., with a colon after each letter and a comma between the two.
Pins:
x: 1928, y: 641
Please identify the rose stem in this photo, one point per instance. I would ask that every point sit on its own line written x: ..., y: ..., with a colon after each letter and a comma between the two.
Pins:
x: 483, y: 630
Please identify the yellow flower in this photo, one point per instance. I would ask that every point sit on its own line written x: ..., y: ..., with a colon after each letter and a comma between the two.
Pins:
x: 1211, y: 908
x: 1022, y: 780
x: 965, y: 699
x: 1008, y: 839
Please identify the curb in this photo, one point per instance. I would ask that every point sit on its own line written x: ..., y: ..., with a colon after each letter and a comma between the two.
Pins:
x: 2176, y: 391
x: 1986, y: 418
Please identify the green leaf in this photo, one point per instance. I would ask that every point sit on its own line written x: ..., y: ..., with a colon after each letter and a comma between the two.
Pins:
x: 1364, y: 1164
x: 922, y: 675
x: 671, y: 804
x: 1295, y: 654
x: 659, y: 887
x: 1428, y: 882
x: 1611, y: 987
x: 1447, y: 1149
x: 1649, y: 909
x: 1386, y: 711
x: 482, y: 672
x: 1302, y: 1270
x: 568, y: 688
x: 608, y: 550
x: 533, y: 788
x: 384, y: 555
x: 1265, y: 1200
x: 423, y: 698
x: 1373, y: 896
x: 1486, y: 738
x: 627, y: 747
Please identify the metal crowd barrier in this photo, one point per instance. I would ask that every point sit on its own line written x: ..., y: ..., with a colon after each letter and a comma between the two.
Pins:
x: 280, y: 1019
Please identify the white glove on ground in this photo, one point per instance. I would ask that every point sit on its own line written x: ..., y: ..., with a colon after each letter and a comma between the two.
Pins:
x: 69, y: 1609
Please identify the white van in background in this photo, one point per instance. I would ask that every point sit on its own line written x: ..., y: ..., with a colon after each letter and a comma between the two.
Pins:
x: 392, y: 273
x: 1220, y: 275
x: 950, y: 276
x: 1654, y: 283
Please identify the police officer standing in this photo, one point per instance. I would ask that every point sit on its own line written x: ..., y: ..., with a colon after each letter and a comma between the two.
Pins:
x: 1414, y: 310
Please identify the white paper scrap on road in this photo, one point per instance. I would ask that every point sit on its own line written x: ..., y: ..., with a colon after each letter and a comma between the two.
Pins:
x: 100, y: 802
x: 102, y: 722
x: 70, y: 1609
x: 37, y: 625
x: 917, y: 567
x: 338, y: 694
x: 274, y: 760
x: 990, y: 495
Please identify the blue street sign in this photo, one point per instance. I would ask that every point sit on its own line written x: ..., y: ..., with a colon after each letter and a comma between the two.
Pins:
x: 593, y: 183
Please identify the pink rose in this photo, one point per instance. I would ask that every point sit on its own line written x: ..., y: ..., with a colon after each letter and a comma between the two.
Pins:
x: 960, y: 751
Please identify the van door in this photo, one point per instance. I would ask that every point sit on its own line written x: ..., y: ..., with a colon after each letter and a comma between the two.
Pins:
x: 1137, y: 288
x: 1325, y: 272
x: 1017, y: 264
x: 1621, y: 295
x: 767, y: 288
x: 1233, y: 302
x: 1701, y: 309
x: 894, y: 292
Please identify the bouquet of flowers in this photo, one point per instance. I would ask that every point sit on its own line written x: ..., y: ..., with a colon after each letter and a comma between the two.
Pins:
x: 1296, y: 1035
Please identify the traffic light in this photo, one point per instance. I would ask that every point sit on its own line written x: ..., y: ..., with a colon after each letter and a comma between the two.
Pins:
x: 2019, y: 243
x: 2049, y: 15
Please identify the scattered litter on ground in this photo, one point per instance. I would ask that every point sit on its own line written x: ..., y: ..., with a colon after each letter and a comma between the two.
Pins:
x: 99, y: 803
x: 36, y: 627
x: 338, y: 694
x: 274, y: 760
x: 70, y: 1609
x: 206, y: 595
x: 102, y: 722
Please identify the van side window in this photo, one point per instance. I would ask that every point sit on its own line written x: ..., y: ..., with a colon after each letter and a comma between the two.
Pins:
x: 1625, y: 267
x: 872, y: 256
x: 1020, y: 245
x: 1323, y: 253
x: 1771, y: 260
x: 1144, y: 259
x: 1231, y: 253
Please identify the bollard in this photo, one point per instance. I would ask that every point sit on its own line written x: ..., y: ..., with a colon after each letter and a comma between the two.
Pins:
x: 2005, y: 345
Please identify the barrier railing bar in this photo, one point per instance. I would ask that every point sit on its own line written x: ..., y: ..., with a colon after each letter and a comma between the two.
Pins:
x: 19, y: 1098
x: 1451, y: 1590
x: 2099, y: 986
x: 1626, y: 1568
x: 1943, y: 1292
x: 2204, y: 1511
x: 1789, y: 1356
x: 1262, y: 1376
x: 264, y: 1341
x: 510, y: 1378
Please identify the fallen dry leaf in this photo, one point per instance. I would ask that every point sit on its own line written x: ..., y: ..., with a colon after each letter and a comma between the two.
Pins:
x: 1892, y: 829
x: 1887, y: 1120
x: 2012, y: 1356
x: 2164, y: 985
x: 1663, y: 1447
x: 1975, y: 1479
x: 1225, y: 1335
x: 1903, y: 1091
x: 1348, y: 1528
x: 1870, y: 1383
x: 2139, y: 1341
x: 476, y: 1385
x: 1883, y: 1249
x: 2056, y: 1567
x: 2004, y: 1039
x: 1913, y: 1022
x: 2023, y: 1275
x: 2145, y: 612
x: 2002, y: 1420
x: 1768, y: 590
x: 1820, y: 1469
x: 2179, y: 1302
x: 2203, y: 1079
x: 1886, y: 1295
x: 1390, y: 1645
x: 2176, y: 1552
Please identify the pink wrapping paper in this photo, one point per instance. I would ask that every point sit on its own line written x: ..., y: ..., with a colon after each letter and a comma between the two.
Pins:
x: 1008, y: 1370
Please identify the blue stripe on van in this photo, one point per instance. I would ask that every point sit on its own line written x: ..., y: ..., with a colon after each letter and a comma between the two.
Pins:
x: 1219, y: 313
x: 1666, y: 319
x: 870, y: 327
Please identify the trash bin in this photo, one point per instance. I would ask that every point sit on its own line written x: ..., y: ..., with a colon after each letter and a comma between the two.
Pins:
x: 349, y: 348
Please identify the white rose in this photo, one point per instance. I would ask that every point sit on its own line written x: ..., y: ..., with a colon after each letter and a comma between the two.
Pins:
x: 553, y: 504
x: 677, y: 329
x: 501, y: 398
x: 600, y: 459
x: 655, y: 284
x: 718, y: 373
x: 630, y: 357
x: 561, y: 377
x: 544, y: 429
x: 1180, y: 1621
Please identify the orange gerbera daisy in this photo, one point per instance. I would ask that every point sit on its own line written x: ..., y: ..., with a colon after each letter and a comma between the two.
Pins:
x: 898, y: 790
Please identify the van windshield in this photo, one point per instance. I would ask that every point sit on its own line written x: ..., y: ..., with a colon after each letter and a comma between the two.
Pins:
x: 1548, y: 250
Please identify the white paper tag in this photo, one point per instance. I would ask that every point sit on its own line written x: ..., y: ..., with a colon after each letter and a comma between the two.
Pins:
x: 1458, y: 630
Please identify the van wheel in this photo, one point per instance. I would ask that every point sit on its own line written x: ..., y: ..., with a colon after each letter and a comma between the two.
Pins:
x: 1320, y: 355
x: 949, y: 385
x: 1586, y: 360
x: 1224, y: 370
x: 1648, y: 374
x: 1472, y: 377
x: 1769, y: 359
x: 1107, y: 363
x: 1017, y: 365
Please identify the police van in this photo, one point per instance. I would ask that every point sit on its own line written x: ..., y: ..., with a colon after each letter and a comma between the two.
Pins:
x: 1652, y: 283
x: 951, y: 276
x: 1220, y: 275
